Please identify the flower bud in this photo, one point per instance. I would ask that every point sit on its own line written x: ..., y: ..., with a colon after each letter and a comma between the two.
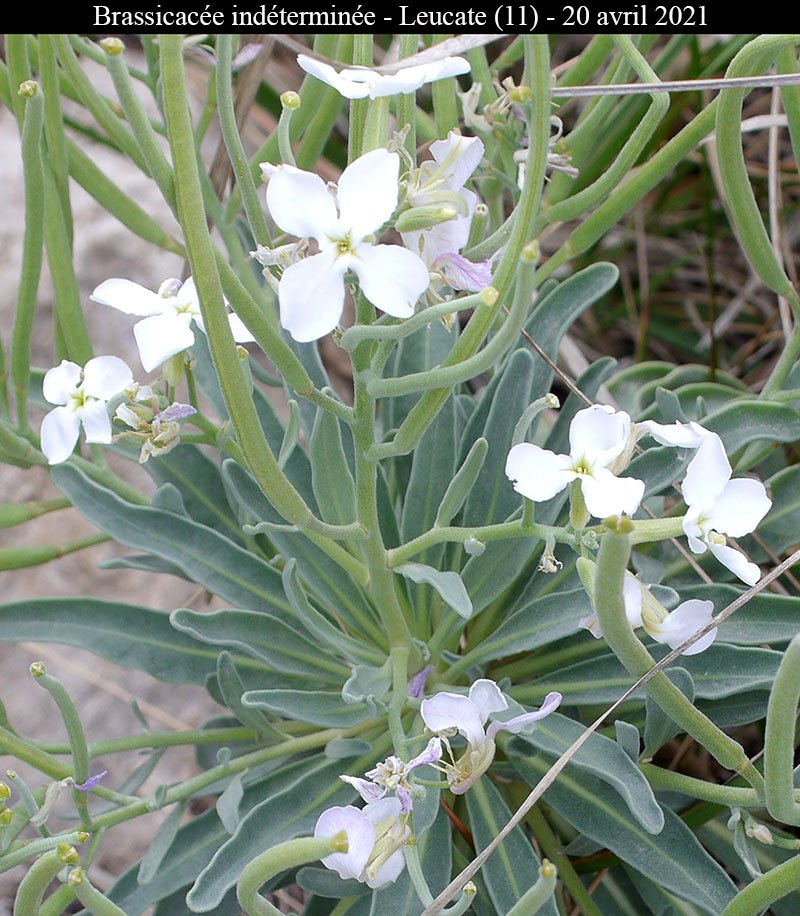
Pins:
x: 5, y: 791
x: 5, y: 817
x: 67, y: 854
x: 112, y: 46
x: 37, y: 669
x: 75, y: 877
x: 426, y: 217
x: 290, y: 101
x: 28, y: 89
x: 760, y: 832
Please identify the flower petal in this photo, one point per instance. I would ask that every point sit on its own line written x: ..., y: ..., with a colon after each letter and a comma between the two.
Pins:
x: 736, y: 562
x: 462, y: 155
x: 162, y: 336
x: 187, y: 294
x: 707, y: 473
x: 96, y: 422
x: 463, y: 274
x: 391, y: 277
x: 311, y: 295
x: 679, y: 435
x: 537, y: 472
x: 60, y: 381
x: 607, y: 495
x: 367, y: 192
x: 598, y: 435
x: 454, y: 712
x: 487, y: 697
x: 432, y: 752
x: 360, y: 839
x: 129, y: 297
x: 412, y: 78
x: 354, y: 86
x: 739, y: 507
x: 367, y: 789
x: 105, y: 376
x: 519, y: 723
x: 632, y: 597
x: 239, y: 329
x: 684, y: 622
x: 301, y: 205
x: 59, y: 433
x: 389, y: 872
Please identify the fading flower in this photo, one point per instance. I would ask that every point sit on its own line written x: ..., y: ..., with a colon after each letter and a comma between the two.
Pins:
x: 83, y: 396
x: 376, y: 835
x: 718, y: 506
x: 598, y: 436
x: 311, y: 291
x: 166, y: 329
x: 447, y: 714
x: 361, y: 82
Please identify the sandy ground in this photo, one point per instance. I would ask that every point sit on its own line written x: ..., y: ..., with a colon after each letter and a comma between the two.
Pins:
x: 102, y: 691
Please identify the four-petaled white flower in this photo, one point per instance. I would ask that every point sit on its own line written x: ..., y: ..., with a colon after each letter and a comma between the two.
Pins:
x: 360, y: 82
x: 391, y: 775
x: 82, y: 395
x: 671, y: 629
x: 598, y: 436
x: 446, y: 714
x: 718, y: 506
x: 376, y: 835
x: 436, y: 181
x: 311, y: 292
x: 167, y: 328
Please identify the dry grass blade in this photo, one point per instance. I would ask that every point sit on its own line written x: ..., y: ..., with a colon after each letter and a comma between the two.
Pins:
x: 550, y: 777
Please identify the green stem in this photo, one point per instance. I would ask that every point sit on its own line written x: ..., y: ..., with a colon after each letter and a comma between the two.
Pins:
x: 414, y: 866
x: 612, y: 561
x: 31, y: 253
x: 290, y: 854
x: 443, y: 94
x: 159, y: 739
x: 233, y: 143
x: 779, y: 738
x: 540, y: 894
x: 97, y: 904
x: 757, y: 896
x: 42, y: 847
x: 731, y: 796
x: 23, y: 557
x: 32, y: 888
x: 406, y: 104
x: 362, y: 57
x: 75, y: 733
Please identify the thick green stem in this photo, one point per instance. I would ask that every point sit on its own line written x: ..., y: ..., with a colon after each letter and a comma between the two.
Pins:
x: 756, y: 897
x: 33, y: 886
x: 612, y: 561
x: 779, y: 738
x: 97, y: 904
x: 730, y: 796
x: 290, y: 854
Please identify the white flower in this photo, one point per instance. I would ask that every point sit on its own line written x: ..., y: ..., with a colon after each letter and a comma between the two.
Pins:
x: 679, y: 435
x: 441, y: 181
x: 375, y: 839
x: 311, y: 292
x: 360, y: 82
x: 598, y: 436
x: 449, y: 713
x: 718, y: 506
x: 167, y: 328
x: 83, y: 395
x: 391, y: 775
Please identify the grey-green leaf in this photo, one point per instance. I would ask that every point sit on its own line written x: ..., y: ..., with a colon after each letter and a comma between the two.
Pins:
x: 449, y: 585
x: 315, y: 706
x: 333, y: 483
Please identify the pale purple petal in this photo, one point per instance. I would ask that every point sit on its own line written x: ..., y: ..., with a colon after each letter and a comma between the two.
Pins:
x: 432, y: 753
x: 59, y: 434
x: 487, y: 697
x: 60, y: 381
x: 367, y: 789
x: 353, y: 86
x: 128, y: 297
x: 519, y: 723
x: 391, y: 277
x: 598, y: 435
x: 453, y: 712
x: 461, y: 273
x: 367, y: 192
x: 311, y: 295
x: 91, y: 782
x: 739, y: 507
x: 96, y: 422
x: 360, y: 839
x: 707, y: 473
x: 301, y: 204
x: 176, y: 412
x: 538, y: 473
x: 405, y: 799
x: 416, y: 686
x: 105, y: 376
x: 162, y: 336
x: 684, y: 622
x: 606, y: 494
x: 736, y: 562
x: 678, y: 435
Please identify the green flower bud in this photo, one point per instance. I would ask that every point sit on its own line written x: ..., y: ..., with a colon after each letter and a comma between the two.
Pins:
x: 425, y: 217
x: 5, y: 817
x: 5, y: 792
x: 67, y: 854
x: 112, y: 46
x: 291, y: 101
x: 37, y: 669
x: 28, y: 89
x: 75, y: 877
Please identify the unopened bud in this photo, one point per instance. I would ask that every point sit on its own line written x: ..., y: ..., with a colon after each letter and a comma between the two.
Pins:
x: 37, y: 669
x: 489, y: 295
x: 548, y: 870
x: 5, y: 817
x: 520, y: 94
x: 760, y: 832
x: 531, y: 252
x: 470, y: 889
x: 81, y: 836
x: 28, y: 89
x: 112, y: 46
x: 291, y: 101
x: 551, y: 401
x: 474, y: 547
x: 424, y: 217
x: 5, y: 792
x: 75, y: 877
x: 67, y: 854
